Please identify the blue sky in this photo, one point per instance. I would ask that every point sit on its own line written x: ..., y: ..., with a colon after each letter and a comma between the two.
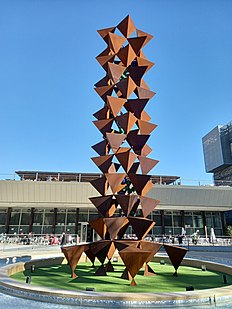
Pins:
x: 48, y: 69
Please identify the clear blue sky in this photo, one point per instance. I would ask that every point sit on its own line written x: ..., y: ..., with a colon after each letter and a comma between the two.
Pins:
x: 48, y: 69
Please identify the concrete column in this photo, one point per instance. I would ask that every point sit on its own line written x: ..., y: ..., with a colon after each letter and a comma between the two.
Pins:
x: 162, y: 222
x: 77, y: 220
x: 31, y: 220
x: 7, y: 223
x: 54, y: 221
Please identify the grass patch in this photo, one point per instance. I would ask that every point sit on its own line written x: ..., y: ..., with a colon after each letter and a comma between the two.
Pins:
x: 59, y: 276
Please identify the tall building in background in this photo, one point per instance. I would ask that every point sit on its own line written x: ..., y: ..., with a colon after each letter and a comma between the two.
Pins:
x: 217, y: 147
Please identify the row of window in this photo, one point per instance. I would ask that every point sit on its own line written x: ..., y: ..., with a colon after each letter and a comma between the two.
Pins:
x: 44, y: 221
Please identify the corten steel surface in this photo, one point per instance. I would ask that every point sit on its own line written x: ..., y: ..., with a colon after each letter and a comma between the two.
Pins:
x: 73, y: 254
x: 176, y: 255
x: 122, y: 154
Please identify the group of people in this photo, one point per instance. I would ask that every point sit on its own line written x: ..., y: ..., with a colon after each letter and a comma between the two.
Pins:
x: 31, y: 239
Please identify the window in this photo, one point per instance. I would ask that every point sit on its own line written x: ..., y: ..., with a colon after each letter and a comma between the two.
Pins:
x: 14, y: 219
x: 25, y: 219
x: 2, y: 216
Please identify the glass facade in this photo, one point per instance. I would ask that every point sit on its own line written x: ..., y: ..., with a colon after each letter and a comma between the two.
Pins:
x: 212, y: 149
x: 48, y: 221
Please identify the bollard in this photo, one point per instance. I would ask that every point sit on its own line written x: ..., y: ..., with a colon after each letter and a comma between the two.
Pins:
x: 28, y: 279
x: 90, y: 289
x: 189, y: 288
x: 225, y: 279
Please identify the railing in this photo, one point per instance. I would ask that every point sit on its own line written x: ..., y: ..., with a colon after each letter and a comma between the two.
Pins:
x: 39, y: 239
x: 188, y: 240
x: 15, y: 241
x: 5, y: 176
x: 85, y: 177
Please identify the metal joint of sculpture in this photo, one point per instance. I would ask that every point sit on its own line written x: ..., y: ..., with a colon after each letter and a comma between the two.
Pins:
x: 123, y: 158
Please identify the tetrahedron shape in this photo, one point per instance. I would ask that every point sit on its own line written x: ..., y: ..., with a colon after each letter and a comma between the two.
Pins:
x: 126, y: 158
x: 148, y: 205
x: 115, y: 42
x: 115, y: 181
x: 137, y: 43
x: 136, y: 106
x: 146, y: 127
x: 147, y: 164
x: 150, y: 246
x: 114, y: 225
x: 141, y: 226
x: 126, y: 55
x: 153, y: 248
x: 73, y: 254
x: 100, y: 249
x: 104, y: 125
x: 126, y: 26
x: 115, y: 140
x: 126, y: 87
x: 104, y: 204
x: 103, y: 113
x: 99, y: 226
x: 137, y: 141
x: 143, y: 93
x: 103, y: 162
x: 100, y: 184
x: 115, y: 104
x: 104, y: 33
x: 105, y: 60
x: 104, y: 91
x: 127, y: 202
x: 134, y: 259
x: 101, y: 148
x: 145, y: 63
x: 136, y: 73
x: 115, y: 71
x: 140, y: 183
x: 176, y: 255
x: 142, y: 34
x: 126, y: 121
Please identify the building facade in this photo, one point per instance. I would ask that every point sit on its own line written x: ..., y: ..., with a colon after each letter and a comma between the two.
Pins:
x: 217, y: 148
x: 51, y: 206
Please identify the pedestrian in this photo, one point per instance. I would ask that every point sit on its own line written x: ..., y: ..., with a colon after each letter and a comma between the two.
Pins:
x: 62, y: 239
x: 180, y: 239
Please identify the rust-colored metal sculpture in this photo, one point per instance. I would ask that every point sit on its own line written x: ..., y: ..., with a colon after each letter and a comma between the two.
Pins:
x: 123, y: 156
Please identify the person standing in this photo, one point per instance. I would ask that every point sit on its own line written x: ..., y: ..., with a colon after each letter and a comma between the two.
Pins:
x: 62, y: 239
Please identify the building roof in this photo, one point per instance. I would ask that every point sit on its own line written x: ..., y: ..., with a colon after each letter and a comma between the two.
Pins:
x: 81, y: 177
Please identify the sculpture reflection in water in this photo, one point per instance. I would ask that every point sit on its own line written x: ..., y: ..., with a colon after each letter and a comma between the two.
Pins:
x: 123, y: 159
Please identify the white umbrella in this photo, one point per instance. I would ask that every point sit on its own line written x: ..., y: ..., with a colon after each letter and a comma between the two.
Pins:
x: 212, y: 234
x: 183, y: 232
x: 206, y: 233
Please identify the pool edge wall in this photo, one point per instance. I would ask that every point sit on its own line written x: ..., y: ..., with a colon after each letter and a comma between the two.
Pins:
x: 113, y: 300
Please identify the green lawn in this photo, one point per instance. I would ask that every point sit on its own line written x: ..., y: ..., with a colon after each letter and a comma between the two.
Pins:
x: 59, y: 276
